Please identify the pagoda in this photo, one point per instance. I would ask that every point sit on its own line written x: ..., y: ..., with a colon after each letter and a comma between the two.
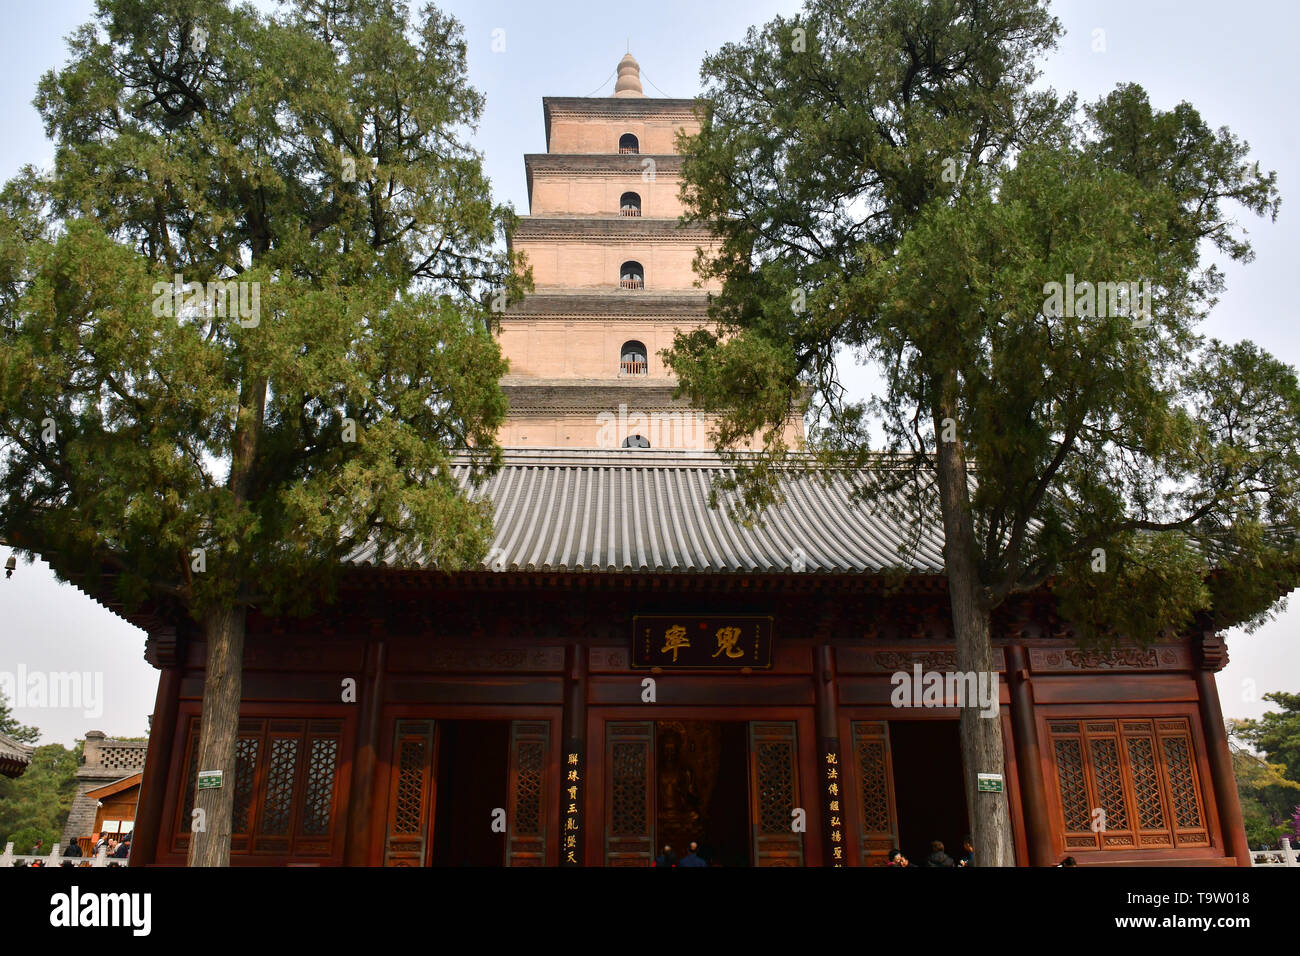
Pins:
x: 613, y: 278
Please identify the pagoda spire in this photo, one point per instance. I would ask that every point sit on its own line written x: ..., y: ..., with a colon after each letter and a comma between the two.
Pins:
x: 629, y: 77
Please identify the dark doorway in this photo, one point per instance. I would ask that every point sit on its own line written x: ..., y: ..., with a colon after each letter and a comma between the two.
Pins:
x: 703, y: 771
x: 473, y: 770
x: 929, y: 791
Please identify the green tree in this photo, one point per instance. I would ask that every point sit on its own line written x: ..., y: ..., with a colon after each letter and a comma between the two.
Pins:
x: 197, y: 458
x: 886, y: 181
x: 35, y: 806
x: 10, y: 727
x: 1277, y: 734
x: 1268, y: 795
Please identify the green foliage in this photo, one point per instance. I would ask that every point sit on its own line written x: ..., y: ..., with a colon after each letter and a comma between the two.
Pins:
x: 10, y: 727
x: 1267, y: 789
x: 208, y: 141
x: 1277, y: 733
x: 901, y: 174
x: 35, y: 806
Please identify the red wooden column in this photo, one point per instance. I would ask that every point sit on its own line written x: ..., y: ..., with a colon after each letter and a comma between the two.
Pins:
x: 157, y: 769
x: 575, y: 742
x: 1029, y: 765
x: 162, y: 650
x: 1214, y: 657
x: 365, y: 758
x: 828, y: 741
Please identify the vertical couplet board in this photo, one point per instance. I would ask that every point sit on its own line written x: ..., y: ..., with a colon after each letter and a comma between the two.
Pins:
x: 630, y: 793
x: 873, y: 774
x: 526, y: 817
x: 412, y: 793
x: 774, y: 793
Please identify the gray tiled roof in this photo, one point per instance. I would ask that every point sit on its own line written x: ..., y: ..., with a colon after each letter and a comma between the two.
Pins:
x: 14, y: 757
x: 637, y: 510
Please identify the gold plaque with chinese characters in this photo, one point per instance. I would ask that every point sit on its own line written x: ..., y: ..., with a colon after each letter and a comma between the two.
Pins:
x: 701, y: 641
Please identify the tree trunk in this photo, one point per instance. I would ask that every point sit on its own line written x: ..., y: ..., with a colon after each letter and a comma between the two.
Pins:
x: 981, y: 737
x: 223, y: 678
x: 218, y: 732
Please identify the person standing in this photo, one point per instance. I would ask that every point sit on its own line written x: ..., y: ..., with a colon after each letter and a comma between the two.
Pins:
x: 896, y: 858
x: 73, y: 849
x: 967, y: 853
x: 937, y: 857
x: 666, y: 858
x: 693, y: 858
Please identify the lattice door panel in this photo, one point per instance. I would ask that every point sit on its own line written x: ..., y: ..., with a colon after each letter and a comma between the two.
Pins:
x: 286, y: 786
x: 527, y: 816
x: 412, y: 792
x: 630, y: 793
x: 872, y: 772
x: 774, y: 793
x: 1127, y: 784
x: 1183, y: 791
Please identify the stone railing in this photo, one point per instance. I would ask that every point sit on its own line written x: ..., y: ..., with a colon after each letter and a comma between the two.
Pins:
x: 56, y: 858
x: 1283, y: 857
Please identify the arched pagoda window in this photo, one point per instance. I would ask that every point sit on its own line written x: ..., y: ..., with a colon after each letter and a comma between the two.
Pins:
x: 627, y: 143
x: 636, y: 441
x: 631, y: 276
x: 632, y: 359
x: 629, y: 205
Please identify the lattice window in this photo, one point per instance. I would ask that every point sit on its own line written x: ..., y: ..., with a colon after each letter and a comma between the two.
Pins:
x: 279, y: 787
x: 1141, y: 773
x: 1146, y: 783
x: 1110, y: 783
x: 628, y: 814
x: 191, y: 779
x: 875, y: 795
x: 1074, y: 789
x: 876, y: 827
x: 409, y: 817
x: 528, y: 813
x: 776, y: 787
x: 285, y: 786
x: 320, y: 786
x: 245, y: 769
x: 630, y: 793
x: 127, y: 757
x: 1187, y: 808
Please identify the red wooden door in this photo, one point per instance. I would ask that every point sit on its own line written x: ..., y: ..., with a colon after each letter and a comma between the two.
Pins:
x: 774, y: 793
x: 412, y: 793
x: 630, y: 793
x: 872, y: 773
x: 527, y: 815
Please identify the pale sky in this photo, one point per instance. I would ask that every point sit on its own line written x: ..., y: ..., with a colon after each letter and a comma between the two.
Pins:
x: 1233, y: 62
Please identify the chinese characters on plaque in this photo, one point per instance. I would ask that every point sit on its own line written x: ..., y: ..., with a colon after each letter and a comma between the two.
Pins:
x: 833, y: 807
x: 697, y: 641
x: 572, y: 781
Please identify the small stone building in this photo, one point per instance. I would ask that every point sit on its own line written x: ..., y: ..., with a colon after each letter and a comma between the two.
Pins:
x: 105, y: 761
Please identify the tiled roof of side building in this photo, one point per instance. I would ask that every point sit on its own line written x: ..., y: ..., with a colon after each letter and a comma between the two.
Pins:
x: 14, y: 757
x: 648, y: 511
